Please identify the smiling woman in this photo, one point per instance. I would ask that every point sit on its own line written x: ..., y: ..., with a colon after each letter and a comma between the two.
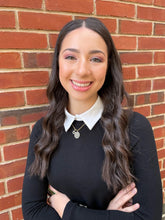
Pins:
x: 89, y: 158
x: 82, y: 68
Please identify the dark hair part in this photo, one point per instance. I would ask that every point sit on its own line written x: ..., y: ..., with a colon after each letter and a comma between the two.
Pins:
x: 116, y: 170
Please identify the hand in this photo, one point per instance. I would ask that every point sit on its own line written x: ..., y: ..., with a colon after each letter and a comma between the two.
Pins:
x: 58, y: 201
x: 123, y: 200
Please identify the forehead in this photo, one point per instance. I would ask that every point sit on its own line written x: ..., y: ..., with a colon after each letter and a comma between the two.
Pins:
x: 83, y: 37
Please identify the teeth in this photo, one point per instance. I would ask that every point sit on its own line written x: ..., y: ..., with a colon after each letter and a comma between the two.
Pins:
x: 80, y: 84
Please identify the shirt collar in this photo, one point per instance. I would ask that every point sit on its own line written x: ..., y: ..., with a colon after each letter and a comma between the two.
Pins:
x: 90, y: 117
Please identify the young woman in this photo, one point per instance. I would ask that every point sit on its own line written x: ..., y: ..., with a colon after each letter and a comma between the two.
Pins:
x: 95, y: 159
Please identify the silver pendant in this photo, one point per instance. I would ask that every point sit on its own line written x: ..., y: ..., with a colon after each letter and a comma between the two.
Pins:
x: 76, y: 134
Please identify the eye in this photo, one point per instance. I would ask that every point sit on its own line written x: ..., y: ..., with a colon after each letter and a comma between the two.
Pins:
x: 96, y: 60
x: 70, y: 57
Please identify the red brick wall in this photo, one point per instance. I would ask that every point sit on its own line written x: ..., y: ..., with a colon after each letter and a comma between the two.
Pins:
x: 28, y: 32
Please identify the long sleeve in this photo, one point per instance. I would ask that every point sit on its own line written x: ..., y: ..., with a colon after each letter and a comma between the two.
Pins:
x: 148, y: 182
x: 145, y: 168
x: 34, y: 193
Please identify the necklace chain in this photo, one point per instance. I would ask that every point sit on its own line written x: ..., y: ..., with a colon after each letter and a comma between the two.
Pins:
x: 76, y: 132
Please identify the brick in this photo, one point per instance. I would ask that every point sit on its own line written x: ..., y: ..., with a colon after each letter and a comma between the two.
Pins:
x: 22, y: 133
x: 159, y: 2
x: 4, y: 216
x: 17, y: 214
x: 159, y: 143
x: 115, y: 9
x: 9, y: 120
x: 157, y: 121
x: 156, y: 97
x: 162, y: 173
x: 11, y: 99
x: 138, y: 86
x: 52, y: 40
x: 33, y: 60
x: 10, y: 60
x: 151, y: 71
x: 159, y: 132
x: 135, y: 27
x: 111, y: 24
x: 10, y: 201
x: 23, y: 115
x: 153, y: 14
x: 151, y: 43
x: 143, y: 110
x: 159, y: 84
x: 159, y: 29
x: 161, y: 153
x: 21, y: 40
x: 149, y: 98
x: 2, y: 188
x: 129, y: 73
x: 160, y: 164
x: 15, y: 184
x: 163, y: 184
x: 158, y: 109
x: 159, y: 57
x: 37, y: 4
x: 15, y: 151
x: 11, y: 169
x: 7, y: 19
x: 23, y: 79
x: 85, y: 6
x: 42, y: 21
x: 136, y: 57
x: 44, y: 59
x: 142, y: 99
x: 2, y: 137
x: 32, y: 117
x: 36, y: 97
x: 15, y: 134
x: 124, y: 43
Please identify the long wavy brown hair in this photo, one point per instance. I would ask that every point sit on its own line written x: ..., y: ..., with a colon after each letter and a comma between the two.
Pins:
x: 116, y: 171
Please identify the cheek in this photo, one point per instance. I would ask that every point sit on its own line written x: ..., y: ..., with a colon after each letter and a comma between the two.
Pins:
x: 62, y: 71
x: 101, y: 74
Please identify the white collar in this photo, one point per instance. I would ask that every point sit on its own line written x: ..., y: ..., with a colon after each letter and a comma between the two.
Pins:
x: 90, y: 117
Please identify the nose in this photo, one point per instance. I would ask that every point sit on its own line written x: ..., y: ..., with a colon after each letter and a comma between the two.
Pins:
x: 83, y: 67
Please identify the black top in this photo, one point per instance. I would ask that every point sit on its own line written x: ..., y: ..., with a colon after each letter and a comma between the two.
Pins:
x: 75, y: 169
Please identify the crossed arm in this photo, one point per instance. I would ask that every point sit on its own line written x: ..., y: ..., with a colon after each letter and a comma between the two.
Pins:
x: 121, y: 202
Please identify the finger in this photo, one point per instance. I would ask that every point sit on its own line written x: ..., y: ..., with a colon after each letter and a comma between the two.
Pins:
x: 125, y: 198
x: 129, y: 203
x: 51, y: 191
x: 131, y: 208
x: 48, y: 201
x: 124, y: 191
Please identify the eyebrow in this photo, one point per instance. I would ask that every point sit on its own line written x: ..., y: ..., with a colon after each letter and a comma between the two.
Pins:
x: 90, y: 52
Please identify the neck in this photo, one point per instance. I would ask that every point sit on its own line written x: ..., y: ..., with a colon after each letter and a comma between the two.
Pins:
x: 78, y: 107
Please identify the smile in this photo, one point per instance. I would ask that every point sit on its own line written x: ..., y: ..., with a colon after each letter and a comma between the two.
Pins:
x: 82, y: 84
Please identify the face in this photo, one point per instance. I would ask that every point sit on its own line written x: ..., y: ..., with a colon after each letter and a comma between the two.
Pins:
x: 82, y: 65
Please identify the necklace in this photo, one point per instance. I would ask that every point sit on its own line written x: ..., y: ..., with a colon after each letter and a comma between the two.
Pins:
x: 76, y: 132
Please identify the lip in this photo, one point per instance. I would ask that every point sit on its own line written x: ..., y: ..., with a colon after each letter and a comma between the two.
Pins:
x: 81, y: 85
